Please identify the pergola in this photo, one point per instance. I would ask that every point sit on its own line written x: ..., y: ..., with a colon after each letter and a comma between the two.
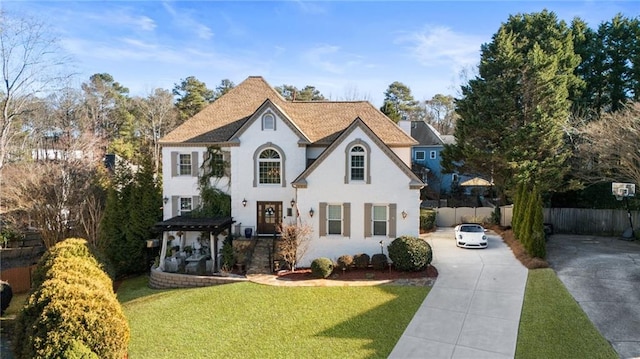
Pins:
x: 214, y: 226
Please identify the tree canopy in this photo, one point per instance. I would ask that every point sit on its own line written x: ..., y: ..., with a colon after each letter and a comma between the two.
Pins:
x: 512, y: 114
x: 292, y: 93
x: 192, y: 95
x: 399, y: 103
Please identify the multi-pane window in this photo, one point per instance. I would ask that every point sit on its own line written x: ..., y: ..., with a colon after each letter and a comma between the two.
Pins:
x: 186, y: 205
x: 269, y: 167
x: 356, y: 161
x: 379, y: 220
x: 419, y: 155
x: 268, y: 122
x: 217, y: 165
x: 184, y: 164
x: 334, y: 219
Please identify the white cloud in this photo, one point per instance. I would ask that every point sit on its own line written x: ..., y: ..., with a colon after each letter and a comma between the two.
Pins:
x: 329, y: 58
x: 438, y: 45
x: 185, y: 21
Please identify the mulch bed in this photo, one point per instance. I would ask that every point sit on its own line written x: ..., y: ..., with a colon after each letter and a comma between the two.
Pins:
x: 518, y: 250
x: 355, y: 274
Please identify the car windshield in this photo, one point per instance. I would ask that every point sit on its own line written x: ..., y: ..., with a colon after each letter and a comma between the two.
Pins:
x: 471, y: 229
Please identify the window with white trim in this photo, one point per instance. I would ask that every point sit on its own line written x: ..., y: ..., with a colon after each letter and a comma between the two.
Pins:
x: 268, y: 122
x: 356, y: 163
x: 432, y: 155
x: 420, y: 155
x: 184, y: 164
x: 186, y: 205
x: 334, y: 219
x: 269, y: 164
x: 380, y: 218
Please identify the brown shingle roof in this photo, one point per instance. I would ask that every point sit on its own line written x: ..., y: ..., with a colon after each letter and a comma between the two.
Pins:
x: 321, y: 121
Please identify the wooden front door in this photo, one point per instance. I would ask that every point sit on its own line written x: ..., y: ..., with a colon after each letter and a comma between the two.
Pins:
x: 269, y: 217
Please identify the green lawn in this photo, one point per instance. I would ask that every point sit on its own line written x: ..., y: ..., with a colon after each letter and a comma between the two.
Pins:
x: 257, y: 321
x: 553, y: 325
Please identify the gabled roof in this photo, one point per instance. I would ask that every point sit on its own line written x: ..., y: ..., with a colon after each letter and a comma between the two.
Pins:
x: 320, y: 121
x: 415, y: 182
x: 427, y: 135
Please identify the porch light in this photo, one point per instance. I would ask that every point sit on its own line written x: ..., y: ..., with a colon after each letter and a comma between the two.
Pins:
x: 293, y: 203
x: 244, y: 202
x: 404, y: 214
x: 311, y: 212
x: 165, y: 199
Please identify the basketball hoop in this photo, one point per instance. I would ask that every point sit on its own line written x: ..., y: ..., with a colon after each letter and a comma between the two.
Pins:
x: 622, y: 191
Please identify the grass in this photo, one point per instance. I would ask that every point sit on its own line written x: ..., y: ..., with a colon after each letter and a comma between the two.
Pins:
x: 292, y: 322
x: 553, y: 325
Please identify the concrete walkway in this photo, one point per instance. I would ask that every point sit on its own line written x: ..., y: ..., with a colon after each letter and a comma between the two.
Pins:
x: 473, y: 310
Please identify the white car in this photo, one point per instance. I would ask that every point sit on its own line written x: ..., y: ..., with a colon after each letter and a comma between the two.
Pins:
x: 470, y: 235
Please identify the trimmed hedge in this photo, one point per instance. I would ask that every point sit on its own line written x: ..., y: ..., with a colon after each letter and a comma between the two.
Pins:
x: 345, y: 262
x: 379, y: 261
x: 73, y: 312
x: 321, y: 267
x: 410, y: 254
x: 361, y: 260
x: 69, y: 248
x: 427, y: 220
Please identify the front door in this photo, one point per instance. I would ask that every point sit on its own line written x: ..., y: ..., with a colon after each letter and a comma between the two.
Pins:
x: 269, y: 217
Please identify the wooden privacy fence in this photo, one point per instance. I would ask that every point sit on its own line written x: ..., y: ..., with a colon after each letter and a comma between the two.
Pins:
x: 590, y: 221
x: 564, y: 220
x: 19, y: 278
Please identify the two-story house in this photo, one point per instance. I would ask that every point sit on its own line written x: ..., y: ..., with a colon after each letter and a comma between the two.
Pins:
x: 340, y: 167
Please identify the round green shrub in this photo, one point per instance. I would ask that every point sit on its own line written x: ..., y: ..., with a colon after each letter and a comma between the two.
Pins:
x: 345, y: 262
x: 73, y: 309
x: 361, y: 260
x: 379, y: 261
x: 410, y: 254
x: 321, y: 267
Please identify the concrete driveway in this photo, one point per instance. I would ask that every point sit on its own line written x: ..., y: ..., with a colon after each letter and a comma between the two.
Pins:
x: 603, y: 275
x: 473, y: 310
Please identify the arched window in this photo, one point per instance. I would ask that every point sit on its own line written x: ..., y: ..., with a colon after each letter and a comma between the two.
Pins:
x: 269, y: 165
x: 268, y: 122
x: 357, y: 163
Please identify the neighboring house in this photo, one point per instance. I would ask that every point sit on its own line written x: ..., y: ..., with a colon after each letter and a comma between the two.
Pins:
x: 342, y: 168
x: 426, y: 156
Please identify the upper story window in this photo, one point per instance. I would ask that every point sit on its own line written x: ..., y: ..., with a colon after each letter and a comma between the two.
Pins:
x: 334, y: 219
x: 217, y: 165
x: 420, y: 155
x: 432, y: 155
x: 268, y: 122
x: 269, y: 164
x: 357, y: 163
x: 184, y: 164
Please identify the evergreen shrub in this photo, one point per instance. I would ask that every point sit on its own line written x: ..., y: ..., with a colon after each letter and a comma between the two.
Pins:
x: 427, y: 219
x: 379, y: 261
x: 73, y: 312
x: 361, y: 260
x: 410, y: 254
x: 321, y: 267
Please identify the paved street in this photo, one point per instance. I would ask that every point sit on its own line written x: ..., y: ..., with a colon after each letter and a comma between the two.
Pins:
x: 603, y: 275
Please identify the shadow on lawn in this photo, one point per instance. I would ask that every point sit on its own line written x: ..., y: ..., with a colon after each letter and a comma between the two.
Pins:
x: 382, y: 336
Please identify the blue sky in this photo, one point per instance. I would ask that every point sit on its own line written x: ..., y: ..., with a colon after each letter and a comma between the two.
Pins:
x: 341, y: 47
